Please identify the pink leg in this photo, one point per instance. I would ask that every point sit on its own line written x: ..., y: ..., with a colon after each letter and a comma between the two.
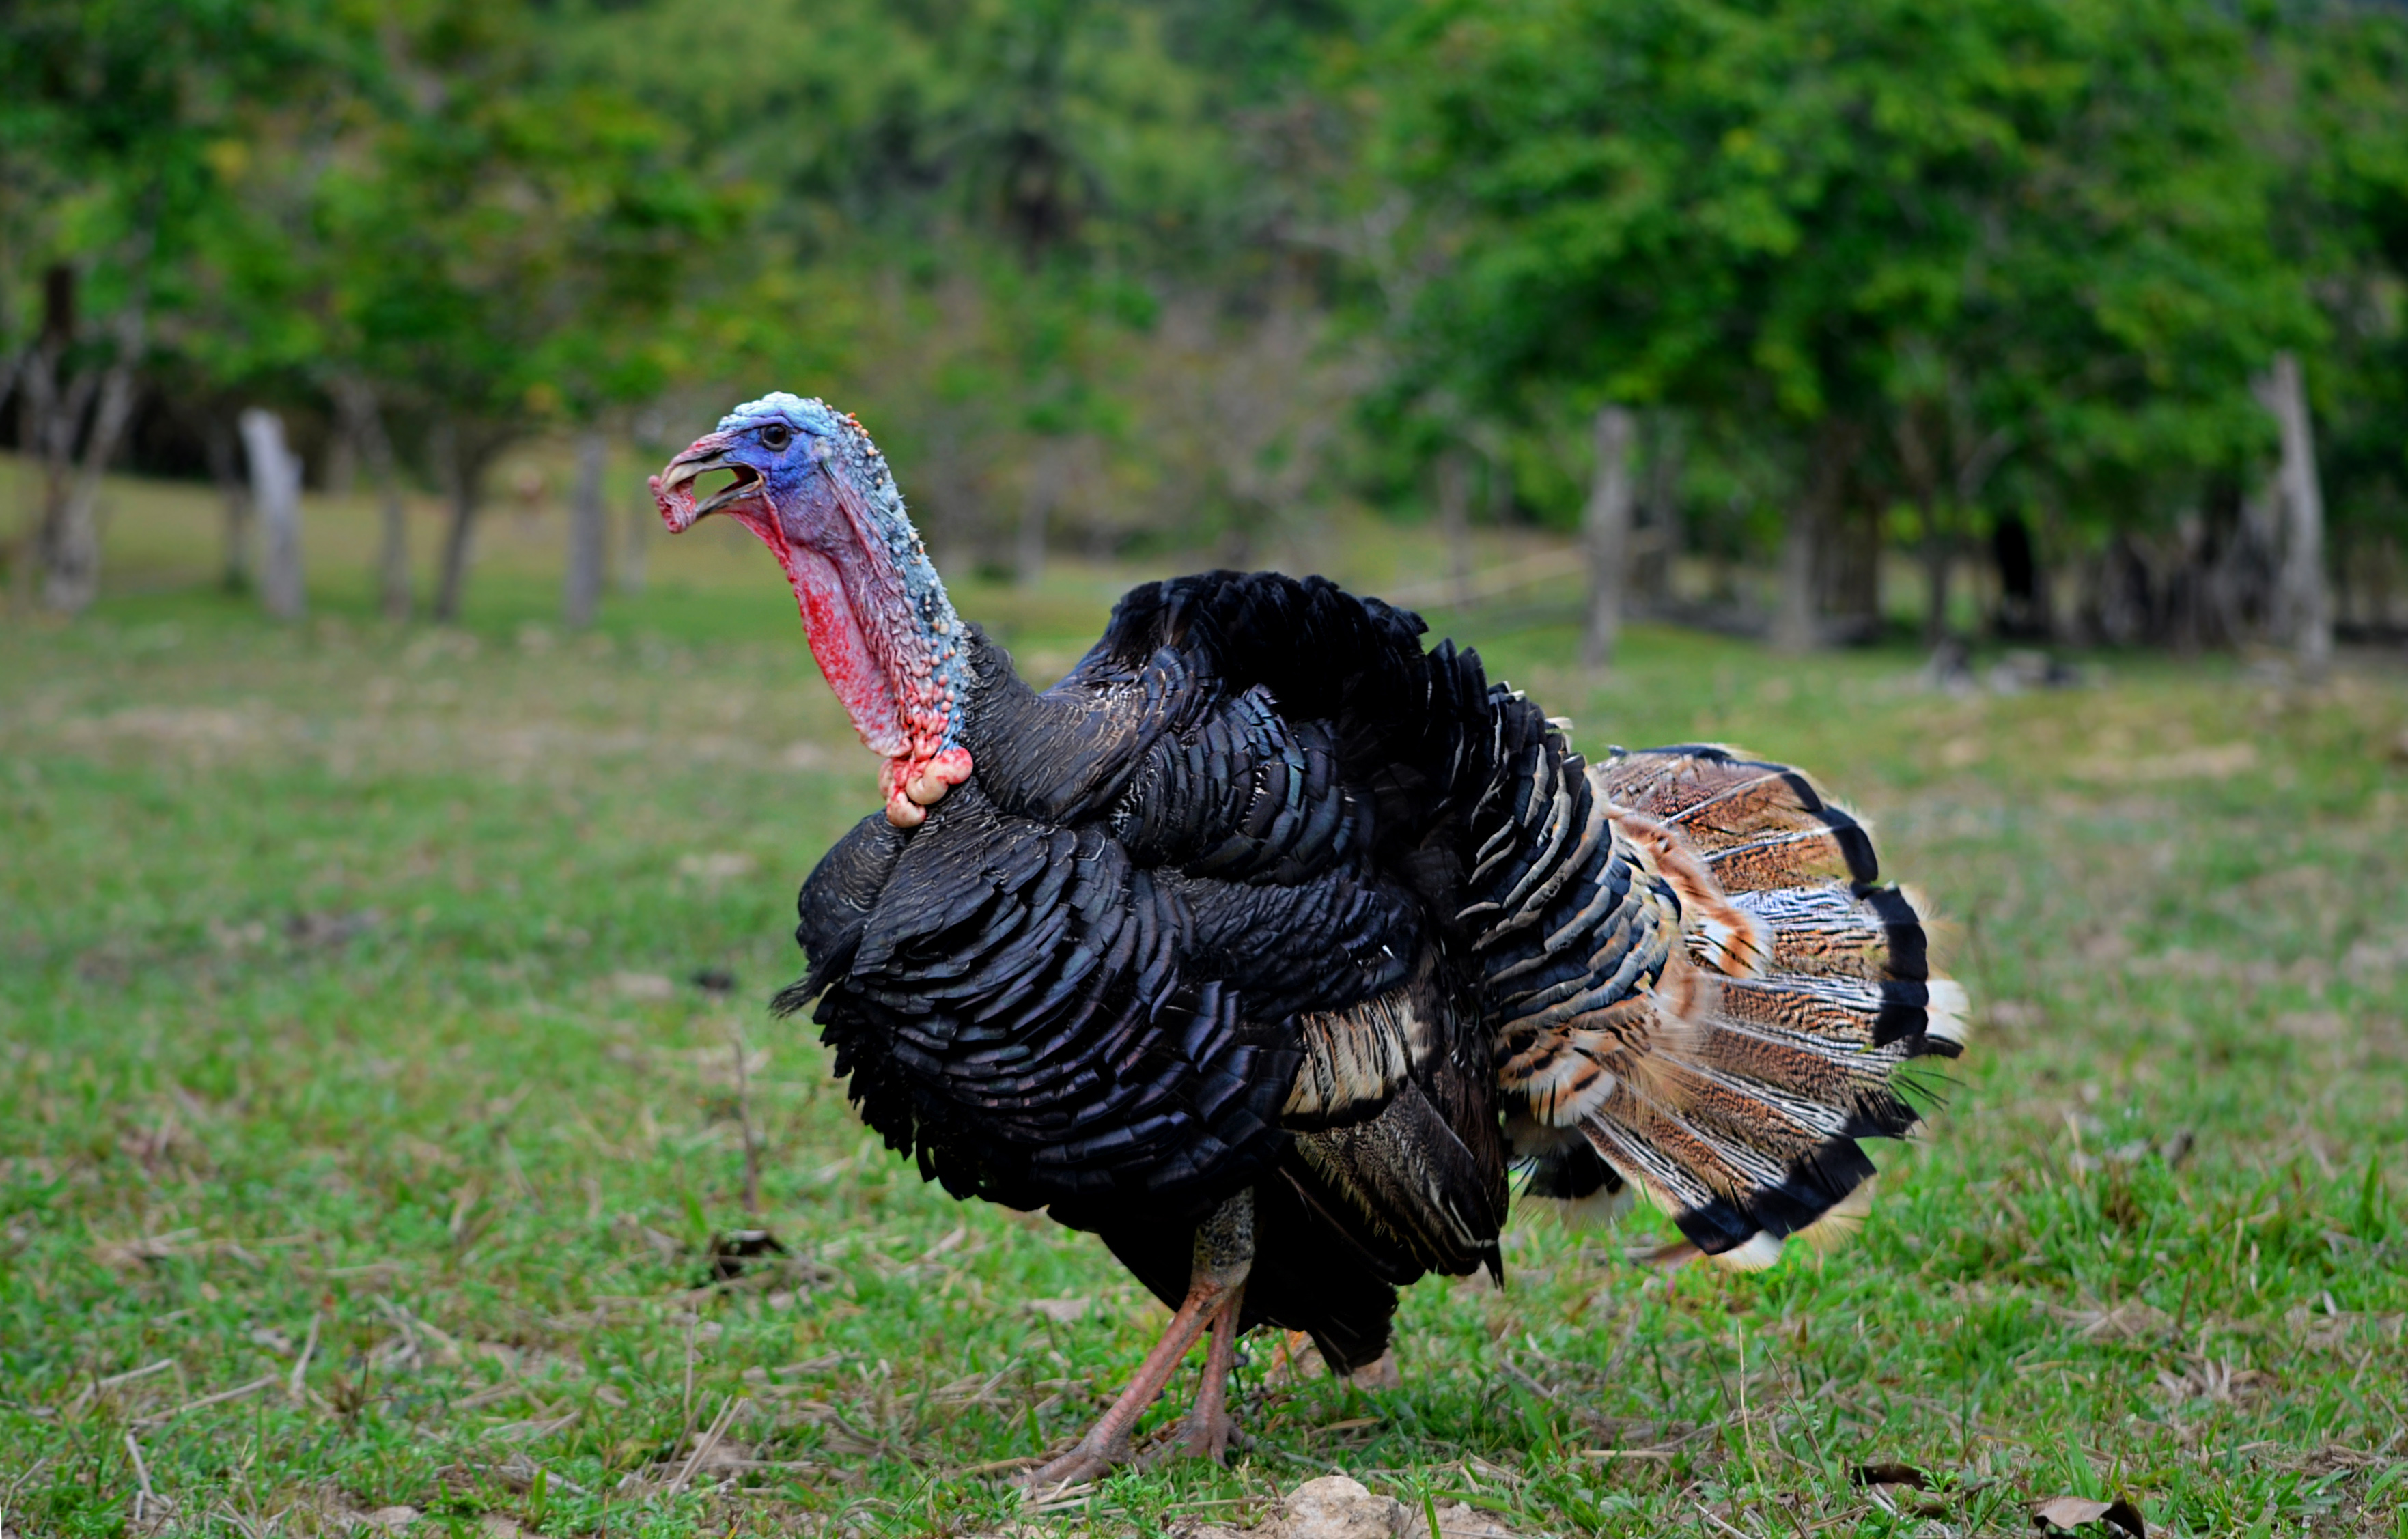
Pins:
x: 1209, y: 1424
x: 1225, y: 1253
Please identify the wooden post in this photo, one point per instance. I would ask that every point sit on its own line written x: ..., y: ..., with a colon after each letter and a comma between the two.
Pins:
x: 2303, y: 612
x: 1607, y: 524
x: 275, y: 491
x: 582, y: 588
x: 1046, y: 470
x: 1455, y: 524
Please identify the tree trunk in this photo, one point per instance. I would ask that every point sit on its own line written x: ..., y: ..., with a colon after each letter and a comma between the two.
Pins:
x: 1922, y: 467
x: 71, y: 525
x: 632, y: 550
x: 1937, y: 558
x: 1606, y: 522
x: 37, y: 377
x: 1848, y: 568
x: 460, y: 479
x: 581, y: 589
x: 234, y: 496
x: 1796, y: 625
x: 2021, y: 611
x: 1454, y: 473
x: 362, y: 427
x: 275, y: 491
x: 1500, y: 489
x: 2303, y: 612
x: 67, y: 543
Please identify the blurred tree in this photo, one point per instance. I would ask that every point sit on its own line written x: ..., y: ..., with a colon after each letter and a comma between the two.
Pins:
x: 493, y: 245
x: 2336, y: 102
x: 1948, y: 231
x: 1985, y: 276
x: 110, y: 116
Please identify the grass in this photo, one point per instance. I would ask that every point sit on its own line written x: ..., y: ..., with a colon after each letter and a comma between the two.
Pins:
x: 352, y: 1070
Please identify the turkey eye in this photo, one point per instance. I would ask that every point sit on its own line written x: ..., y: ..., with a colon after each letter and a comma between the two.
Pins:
x: 775, y: 436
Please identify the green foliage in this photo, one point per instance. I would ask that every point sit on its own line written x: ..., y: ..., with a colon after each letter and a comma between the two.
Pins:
x: 2037, y: 219
x: 115, y: 122
x: 506, y: 241
x: 2011, y: 255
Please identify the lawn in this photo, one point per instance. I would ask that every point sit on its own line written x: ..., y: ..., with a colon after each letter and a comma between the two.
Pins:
x: 382, y: 1045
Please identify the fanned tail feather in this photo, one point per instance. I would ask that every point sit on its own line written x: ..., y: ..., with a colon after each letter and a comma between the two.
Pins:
x: 1734, y: 1084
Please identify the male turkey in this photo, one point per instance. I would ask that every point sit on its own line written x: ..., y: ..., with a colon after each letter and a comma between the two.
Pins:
x: 1265, y: 943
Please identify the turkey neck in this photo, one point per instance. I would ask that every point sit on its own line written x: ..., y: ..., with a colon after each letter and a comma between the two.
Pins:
x: 884, y: 633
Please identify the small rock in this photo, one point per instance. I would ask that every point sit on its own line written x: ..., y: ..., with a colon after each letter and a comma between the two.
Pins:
x: 387, y: 1519
x: 1458, y: 1520
x: 644, y: 986
x: 718, y: 866
x: 1060, y: 1311
x: 1337, y: 1506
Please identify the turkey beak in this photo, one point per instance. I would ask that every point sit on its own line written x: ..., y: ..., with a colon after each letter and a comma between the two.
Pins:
x: 673, y: 488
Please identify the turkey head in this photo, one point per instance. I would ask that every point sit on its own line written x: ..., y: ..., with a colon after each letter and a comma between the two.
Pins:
x: 808, y: 480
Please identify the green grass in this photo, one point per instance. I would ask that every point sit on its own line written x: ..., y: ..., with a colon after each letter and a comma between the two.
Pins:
x: 346, y: 1043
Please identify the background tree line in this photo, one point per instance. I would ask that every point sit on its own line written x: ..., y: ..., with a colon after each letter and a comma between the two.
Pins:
x: 2099, y: 302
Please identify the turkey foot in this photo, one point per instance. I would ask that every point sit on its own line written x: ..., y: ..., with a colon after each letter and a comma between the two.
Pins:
x: 1210, y: 1425
x: 1225, y: 1253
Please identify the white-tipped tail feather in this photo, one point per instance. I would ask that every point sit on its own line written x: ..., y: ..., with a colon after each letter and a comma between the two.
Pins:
x: 1718, y: 1001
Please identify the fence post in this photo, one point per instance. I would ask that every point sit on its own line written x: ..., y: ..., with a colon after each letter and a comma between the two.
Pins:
x: 1607, y: 524
x: 275, y: 491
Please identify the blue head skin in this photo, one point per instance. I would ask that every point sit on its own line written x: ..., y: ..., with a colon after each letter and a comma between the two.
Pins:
x: 812, y: 485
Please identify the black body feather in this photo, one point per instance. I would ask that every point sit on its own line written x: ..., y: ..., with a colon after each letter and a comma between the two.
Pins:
x: 1265, y: 895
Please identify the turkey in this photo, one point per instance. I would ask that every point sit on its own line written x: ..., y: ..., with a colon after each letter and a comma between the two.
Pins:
x: 1269, y: 944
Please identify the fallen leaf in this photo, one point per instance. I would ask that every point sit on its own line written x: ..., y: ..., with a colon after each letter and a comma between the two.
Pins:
x: 2066, y: 1513
x: 649, y: 985
x: 718, y: 866
x: 732, y: 1254
x: 1381, y: 1373
x: 1890, y: 1475
x: 2219, y: 762
x: 329, y: 930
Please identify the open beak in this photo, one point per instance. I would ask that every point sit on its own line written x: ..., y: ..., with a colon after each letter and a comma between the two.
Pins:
x: 673, y: 488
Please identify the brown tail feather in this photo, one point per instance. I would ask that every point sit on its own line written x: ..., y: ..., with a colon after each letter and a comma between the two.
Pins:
x: 1736, y: 1092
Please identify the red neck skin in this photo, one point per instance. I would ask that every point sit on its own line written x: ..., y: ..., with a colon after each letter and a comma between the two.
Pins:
x: 897, y: 676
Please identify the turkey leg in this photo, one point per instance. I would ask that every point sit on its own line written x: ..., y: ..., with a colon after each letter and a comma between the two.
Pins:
x: 1209, y: 1426
x: 1225, y: 1253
